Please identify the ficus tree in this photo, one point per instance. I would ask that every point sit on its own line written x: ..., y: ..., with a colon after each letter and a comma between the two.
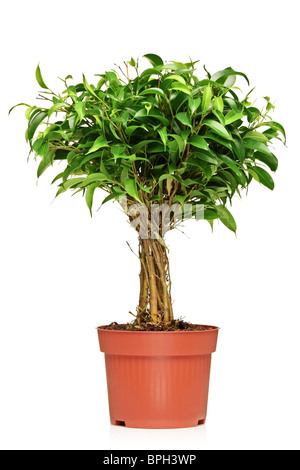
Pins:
x: 156, y: 141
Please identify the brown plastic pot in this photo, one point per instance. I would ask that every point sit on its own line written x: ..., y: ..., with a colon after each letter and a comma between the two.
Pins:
x: 158, y: 379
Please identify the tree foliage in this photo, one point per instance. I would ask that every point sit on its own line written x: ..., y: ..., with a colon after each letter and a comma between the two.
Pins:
x: 164, y: 136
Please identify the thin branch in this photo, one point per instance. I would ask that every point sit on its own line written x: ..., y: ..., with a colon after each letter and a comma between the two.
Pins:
x: 127, y: 71
x: 132, y: 250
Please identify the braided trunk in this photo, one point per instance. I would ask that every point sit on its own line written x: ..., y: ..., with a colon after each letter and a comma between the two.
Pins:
x: 155, y: 283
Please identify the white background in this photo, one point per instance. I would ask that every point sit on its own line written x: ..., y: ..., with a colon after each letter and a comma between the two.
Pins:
x: 63, y: 273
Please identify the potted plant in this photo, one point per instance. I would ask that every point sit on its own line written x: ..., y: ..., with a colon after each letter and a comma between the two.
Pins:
x: 167, y: 146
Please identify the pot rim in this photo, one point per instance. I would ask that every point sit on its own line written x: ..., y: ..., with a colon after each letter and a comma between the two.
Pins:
x: 209, y: 328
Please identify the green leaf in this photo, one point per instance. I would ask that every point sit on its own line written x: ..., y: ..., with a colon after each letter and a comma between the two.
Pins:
x: 232, y: 116
x: 99, y: 143
x: 238, y: 147
x: 206, y: 99
x: 45, y: 163
x: 131, y: 129
x: 136, y: 148
x: 219, y: 76
x: 218, y: 104
x: 181, y: 87
x: 271, y: 134
x: 232, y: 180
x: 154, y: 59
x: 275, y: 126
x: 252, y: 113
x: 184, y: 119
x: 72, y: 121
x: 163, y: 135
x: 92, y: 178
x: 69, y: 184
x: 180, y: 199
x: 89, y: 88
x: 132, y: 62
x: 269, y: 160
x: 233, y: 166
x: 220, y: 116
x: 153, y: 91
x: 28, y: 112
x: 118, y: 150
x: 194, y: 104
x: 89, y: 196
x: 199, y: 142
x: 55, y: 108
x: 210, y: 214
x: 39, y: 78
x: 131, y: 189
x: 226, y: 218
x: 256, y: 145
x: 180, y: 142
x: 170, y: 176
x: 114, y: 195
x: 35, y: 122
x: 57, y: 177
x: 16, y: 105
x: 217, y: 128
x: 177, y: 78
x: 143, y: 116
x: 80, y: 109
x: 256, y: 136
x: 159, y: 118
x: 205, y: 156
x: 216, y: 138
x: 262, y: 176
x: 104, y: 171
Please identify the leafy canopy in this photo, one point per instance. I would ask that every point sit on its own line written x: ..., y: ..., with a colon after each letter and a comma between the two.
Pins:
x: 164, y: 136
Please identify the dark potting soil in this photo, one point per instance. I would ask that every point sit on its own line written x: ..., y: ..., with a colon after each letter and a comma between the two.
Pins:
x: 175, y: 325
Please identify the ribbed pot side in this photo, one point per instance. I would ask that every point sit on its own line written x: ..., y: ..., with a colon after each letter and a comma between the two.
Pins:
x: 158, y: 379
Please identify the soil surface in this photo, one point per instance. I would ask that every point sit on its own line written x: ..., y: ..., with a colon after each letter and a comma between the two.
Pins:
x: 175, y: 325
